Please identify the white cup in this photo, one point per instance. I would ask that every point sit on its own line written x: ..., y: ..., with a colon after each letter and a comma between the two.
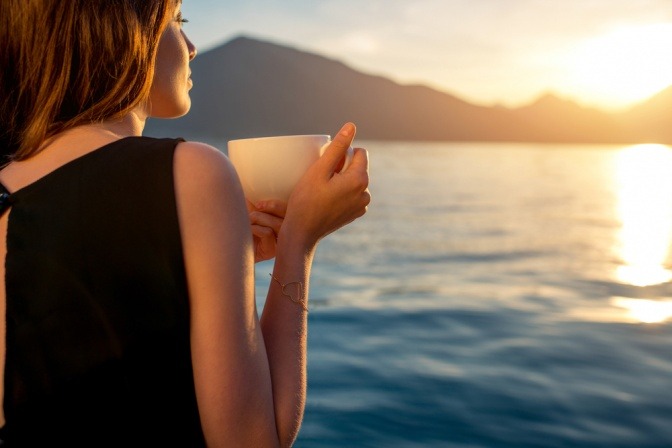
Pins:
x: 270, y: 167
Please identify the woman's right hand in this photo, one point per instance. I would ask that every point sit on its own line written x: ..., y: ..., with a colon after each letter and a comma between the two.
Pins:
x: 324, y: 199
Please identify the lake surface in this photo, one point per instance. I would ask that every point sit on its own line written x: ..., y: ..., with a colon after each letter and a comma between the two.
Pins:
x: 497, y: 295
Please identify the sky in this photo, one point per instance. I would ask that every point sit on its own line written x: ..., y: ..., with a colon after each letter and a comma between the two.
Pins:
x: 608, y: 54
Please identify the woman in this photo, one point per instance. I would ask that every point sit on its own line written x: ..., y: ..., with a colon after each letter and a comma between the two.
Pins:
x: 129, y: 261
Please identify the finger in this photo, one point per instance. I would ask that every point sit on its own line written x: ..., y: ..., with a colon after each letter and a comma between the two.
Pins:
x: 336, y: 151
x: 266, y: 220
x: 250, y: 206
x: 265, y: 243
x: 265, y: 234
x: 273, y: 207
x: 360, y: 160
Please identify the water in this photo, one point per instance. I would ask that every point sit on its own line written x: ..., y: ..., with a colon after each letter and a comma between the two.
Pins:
x: 497, y: 295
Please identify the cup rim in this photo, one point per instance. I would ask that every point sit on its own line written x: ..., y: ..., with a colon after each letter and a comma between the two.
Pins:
x: 279, y: 137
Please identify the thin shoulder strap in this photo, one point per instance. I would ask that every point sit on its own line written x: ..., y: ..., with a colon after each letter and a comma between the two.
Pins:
x: 5, y: 199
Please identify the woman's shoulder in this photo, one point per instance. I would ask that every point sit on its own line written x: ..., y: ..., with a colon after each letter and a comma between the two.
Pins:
x: 206, y: 184
x: 199, y: 152
x: 201, y: 164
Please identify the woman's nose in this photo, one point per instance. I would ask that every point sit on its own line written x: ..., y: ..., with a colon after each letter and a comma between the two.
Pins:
x: 190, y: 46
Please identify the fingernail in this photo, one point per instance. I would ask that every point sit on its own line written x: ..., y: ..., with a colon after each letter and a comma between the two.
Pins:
x: 346, y: 131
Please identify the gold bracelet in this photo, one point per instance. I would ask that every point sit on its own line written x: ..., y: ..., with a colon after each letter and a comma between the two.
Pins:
x: 298, y: 300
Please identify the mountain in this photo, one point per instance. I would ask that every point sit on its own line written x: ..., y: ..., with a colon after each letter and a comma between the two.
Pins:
x: 248, y: 87
x: 652, y: 120
x: 554, y: 119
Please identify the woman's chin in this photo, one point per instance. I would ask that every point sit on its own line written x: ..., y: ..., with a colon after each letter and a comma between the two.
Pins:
x: 175, y: 111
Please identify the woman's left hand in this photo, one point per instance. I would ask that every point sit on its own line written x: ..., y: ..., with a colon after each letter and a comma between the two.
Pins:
x: 265, y: 220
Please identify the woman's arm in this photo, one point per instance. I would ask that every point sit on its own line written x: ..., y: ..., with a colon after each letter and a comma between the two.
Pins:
x: 231, y: 372
x: 321, y: 203
x: 250, y: 384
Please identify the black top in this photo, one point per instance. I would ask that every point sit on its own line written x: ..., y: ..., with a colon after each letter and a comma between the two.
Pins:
x: 97, y: 307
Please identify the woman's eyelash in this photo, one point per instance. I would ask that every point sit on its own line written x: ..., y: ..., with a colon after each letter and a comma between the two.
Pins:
x: 181, y: 19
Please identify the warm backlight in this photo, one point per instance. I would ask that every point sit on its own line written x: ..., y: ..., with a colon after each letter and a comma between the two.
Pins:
x: 624, y: 66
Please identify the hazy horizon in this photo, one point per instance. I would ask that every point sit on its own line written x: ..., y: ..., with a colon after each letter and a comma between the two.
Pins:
x: 609, y: 54
x: 533, y: 99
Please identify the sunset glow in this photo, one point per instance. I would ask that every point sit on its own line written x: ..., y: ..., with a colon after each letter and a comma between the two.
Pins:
x: 624, y: 66
x: 604, y: 53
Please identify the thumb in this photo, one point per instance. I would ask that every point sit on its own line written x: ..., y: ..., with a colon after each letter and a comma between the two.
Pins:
x: 337, y: 149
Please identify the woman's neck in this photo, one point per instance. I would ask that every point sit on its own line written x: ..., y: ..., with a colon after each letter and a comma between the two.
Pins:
x: 132, y: 124
x: 96, y: 134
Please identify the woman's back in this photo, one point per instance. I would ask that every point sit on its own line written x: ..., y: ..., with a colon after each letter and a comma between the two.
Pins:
x: 97, y: 344
x: 103, y: 338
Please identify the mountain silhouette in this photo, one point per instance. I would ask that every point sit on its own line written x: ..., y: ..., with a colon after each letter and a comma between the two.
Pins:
x: 249, y: 87
x: 651, y: 120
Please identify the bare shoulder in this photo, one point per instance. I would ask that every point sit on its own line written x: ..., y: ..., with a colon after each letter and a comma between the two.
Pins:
x: 197, y: 162
x: 206, y: 184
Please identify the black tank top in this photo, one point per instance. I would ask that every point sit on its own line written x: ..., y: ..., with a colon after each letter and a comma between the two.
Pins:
x: 98, y: 347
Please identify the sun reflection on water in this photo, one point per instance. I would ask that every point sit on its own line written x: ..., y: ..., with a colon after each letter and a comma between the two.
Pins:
x: 644, y: 184
x: 645, y: 311
x: 644, y: 177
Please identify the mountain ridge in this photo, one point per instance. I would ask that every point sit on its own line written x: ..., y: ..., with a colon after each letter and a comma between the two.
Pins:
x: 248, y: 87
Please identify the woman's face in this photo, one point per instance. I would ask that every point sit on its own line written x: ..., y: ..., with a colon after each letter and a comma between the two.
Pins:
x: 169, y: 95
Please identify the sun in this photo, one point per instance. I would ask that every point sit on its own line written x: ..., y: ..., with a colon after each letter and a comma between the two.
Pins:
x: 624, y: 66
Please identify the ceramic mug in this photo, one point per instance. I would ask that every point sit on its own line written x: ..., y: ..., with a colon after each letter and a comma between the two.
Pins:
x: 270, y: 167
